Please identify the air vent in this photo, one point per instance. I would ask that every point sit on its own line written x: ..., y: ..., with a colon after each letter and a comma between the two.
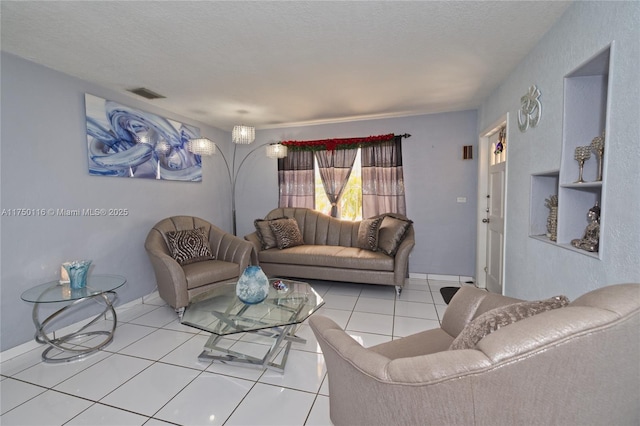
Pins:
x: 146, y: 93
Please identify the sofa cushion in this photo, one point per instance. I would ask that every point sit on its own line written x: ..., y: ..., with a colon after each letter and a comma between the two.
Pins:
x: 286, y: 232
x: 392, y: 232
x: 265, y: 234
x: 189, y: 246
x: 497, y: 318
x: 368, y: 233
x: 329, y: 256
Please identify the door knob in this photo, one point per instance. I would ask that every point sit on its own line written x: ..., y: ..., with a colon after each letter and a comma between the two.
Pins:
x: 485, y: 220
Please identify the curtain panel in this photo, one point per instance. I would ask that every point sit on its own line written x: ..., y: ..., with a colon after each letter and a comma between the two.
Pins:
x: 335, y: 168
x: 383, y: 179
x: 296, y: 180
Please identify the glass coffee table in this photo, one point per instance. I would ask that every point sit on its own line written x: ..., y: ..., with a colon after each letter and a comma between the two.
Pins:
x: 100, y: 289
x: 220, y: 312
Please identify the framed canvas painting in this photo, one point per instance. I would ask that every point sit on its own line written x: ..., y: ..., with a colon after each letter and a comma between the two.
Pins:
x: 128, y: 142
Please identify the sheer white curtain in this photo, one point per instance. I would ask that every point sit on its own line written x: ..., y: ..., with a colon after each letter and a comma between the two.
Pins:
x: 335, y: 168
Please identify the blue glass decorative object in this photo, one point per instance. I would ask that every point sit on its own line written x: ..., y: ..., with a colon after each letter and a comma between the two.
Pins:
x: 77, y: 271
x: 253, y: 285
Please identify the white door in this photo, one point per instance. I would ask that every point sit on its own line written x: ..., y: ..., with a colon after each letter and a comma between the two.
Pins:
x: 491, y: 197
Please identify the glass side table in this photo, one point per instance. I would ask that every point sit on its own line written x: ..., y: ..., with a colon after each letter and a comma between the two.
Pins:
x: 99, y: 289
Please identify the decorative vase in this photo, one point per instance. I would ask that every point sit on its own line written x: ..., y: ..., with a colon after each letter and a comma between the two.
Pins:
x: 253, y: 285
x: 77, y: 271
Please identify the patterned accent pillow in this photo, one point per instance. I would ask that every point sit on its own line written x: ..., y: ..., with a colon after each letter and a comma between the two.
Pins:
x: 286, y: 232
x: 265, y: 234
x: 497, y: 318
x: 368, y: 233
x: 189, y: 246
x: 392, y: 233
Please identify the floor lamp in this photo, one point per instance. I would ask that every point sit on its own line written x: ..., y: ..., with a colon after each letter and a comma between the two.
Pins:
x: 206, y: 147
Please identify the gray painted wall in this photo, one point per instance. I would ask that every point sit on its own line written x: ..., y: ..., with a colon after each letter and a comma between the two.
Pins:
x: 44, y: 165
x: 435, y: 175
x: 535, y: 269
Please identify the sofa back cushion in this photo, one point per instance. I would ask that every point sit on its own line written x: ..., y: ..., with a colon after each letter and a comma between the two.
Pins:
x: 286, y: 232
x: 393, y: 230
x: 189, y: 245
x: 319, y: 229
x: 265, y: 234
x: 503, y: 316
x: 368, y: 233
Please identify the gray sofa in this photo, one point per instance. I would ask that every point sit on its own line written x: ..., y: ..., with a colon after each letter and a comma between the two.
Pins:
x: 330, y: 251
x: 575, y: 365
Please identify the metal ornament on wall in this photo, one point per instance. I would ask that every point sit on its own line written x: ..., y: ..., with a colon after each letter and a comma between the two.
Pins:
x: 530, y: 109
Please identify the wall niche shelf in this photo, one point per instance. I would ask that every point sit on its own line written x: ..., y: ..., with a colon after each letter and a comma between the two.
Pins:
x: 586, y: 112
x: 543, y: 186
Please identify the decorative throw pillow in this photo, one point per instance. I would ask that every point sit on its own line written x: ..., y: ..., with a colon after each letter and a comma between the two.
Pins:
x: 189, y: 246
x: 368, y: 233
x: 265, y: 234
x: 286, y: 232
x: 497, y: 318
x: 392, y: 232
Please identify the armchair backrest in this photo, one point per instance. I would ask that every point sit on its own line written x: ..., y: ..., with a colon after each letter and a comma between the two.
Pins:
x: 156, y: 240
x: 321, y: 229
x: 573, y: 365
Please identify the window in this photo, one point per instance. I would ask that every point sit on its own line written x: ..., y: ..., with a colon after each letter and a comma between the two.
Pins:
x: 366, y: 172
x: 350, y: 205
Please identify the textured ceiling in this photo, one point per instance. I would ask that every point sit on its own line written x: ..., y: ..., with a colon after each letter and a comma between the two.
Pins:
x: 274, y: 64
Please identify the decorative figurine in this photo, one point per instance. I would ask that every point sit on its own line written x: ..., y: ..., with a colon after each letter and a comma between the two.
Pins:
x: 552, y: 220
x: 597, y: 146
x: 591, y: 239
x: 582, y: 154
x: 280, y: 285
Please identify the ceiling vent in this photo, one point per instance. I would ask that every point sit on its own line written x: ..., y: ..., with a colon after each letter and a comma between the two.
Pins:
x: 146, y: 93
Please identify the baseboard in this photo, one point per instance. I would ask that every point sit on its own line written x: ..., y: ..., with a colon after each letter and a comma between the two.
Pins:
x: 417, y: 276
x: 461, y: 279
x: 31, y: 345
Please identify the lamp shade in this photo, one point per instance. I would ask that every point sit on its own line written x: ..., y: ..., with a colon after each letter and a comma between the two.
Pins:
x: 201, y: 146
x: 276, y: 150
x: 243, y: 134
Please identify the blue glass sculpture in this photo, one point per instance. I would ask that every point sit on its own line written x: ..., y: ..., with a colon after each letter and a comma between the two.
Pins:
x: 77, y: 271
x: 253, y: 285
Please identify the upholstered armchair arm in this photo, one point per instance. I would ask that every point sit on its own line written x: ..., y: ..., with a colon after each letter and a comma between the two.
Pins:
x: 401, y: 260
x: 257, y: 246
x: 467, y: 304
x: 368, y: 388
x: 228, y: 247
x: 172, y: 283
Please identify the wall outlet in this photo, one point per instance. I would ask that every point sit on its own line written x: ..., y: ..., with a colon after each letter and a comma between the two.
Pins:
x: 461, y: 199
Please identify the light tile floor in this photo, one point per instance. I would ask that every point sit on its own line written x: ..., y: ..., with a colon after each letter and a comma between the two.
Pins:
x: 150, y: 373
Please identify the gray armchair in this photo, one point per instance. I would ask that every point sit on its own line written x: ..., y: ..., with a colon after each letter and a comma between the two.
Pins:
x: 178, y: 284
x: 576, y: 365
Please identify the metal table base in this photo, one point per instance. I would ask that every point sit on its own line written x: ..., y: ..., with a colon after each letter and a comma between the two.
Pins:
x: 278, y: 334
x: 65, y: 343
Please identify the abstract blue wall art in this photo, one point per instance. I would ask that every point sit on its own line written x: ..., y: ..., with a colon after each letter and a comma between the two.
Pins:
x: 124, y: 141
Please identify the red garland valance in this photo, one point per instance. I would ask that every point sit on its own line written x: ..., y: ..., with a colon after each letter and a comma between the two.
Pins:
x: 332, y: 144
